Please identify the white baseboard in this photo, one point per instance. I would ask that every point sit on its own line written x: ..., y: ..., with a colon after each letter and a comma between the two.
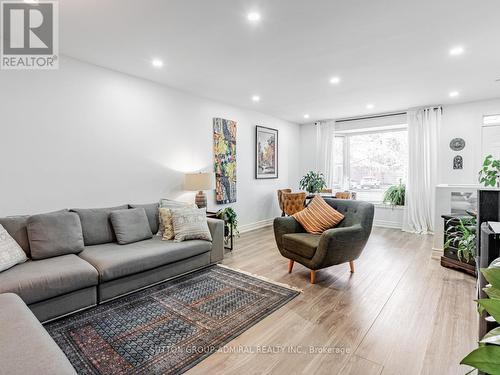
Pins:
x: 269, y: 222
x: 256, y: 225
x: 387, y: 224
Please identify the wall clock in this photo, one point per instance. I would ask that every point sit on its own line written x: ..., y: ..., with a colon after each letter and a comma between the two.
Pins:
x: 457, y: 144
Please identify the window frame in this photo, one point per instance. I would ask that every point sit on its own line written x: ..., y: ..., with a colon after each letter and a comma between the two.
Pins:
x: 346, y: 173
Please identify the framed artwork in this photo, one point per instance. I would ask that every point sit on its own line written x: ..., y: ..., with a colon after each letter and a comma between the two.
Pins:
x: 225, y: 160
x: 266, y: 152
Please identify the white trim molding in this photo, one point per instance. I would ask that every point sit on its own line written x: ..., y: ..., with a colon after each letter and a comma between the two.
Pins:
x: 256, y: 225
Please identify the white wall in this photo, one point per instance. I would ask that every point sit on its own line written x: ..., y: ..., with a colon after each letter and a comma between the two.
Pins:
x: 85, y: 136
x: 463, y: 121
x: 459, y: 121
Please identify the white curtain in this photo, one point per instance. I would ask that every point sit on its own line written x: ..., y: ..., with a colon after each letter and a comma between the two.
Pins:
x: 423, y: 131
x: 325, y: 133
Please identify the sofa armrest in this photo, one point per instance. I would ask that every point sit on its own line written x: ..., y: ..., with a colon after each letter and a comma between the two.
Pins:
x: 340, y: 245
x: 216, y: 227
x: 26, y: 347
x: 285, y: 225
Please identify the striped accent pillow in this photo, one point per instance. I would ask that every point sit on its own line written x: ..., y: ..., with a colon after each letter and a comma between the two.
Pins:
x: 190, y: 224
x: 318, y: 216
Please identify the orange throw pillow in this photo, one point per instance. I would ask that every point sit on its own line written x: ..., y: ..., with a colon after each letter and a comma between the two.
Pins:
x: 318, y: 216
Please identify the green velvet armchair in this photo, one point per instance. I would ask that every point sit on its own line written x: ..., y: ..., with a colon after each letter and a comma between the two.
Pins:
x: 341, y: 244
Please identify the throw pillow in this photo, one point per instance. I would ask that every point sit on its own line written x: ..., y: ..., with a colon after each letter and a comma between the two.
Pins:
x: 152, y: 214
x: 10, y: 251
x: 190, y: 224
x: 16, y: 226
x: 318, y: 216
x: 130, y: 225
x: 166, y: 224
x: 166, y: 228
x: 96, y: 226
x: 54, y: 234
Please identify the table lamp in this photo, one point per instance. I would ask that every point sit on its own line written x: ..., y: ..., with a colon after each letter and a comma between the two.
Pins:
x: 198, y: 182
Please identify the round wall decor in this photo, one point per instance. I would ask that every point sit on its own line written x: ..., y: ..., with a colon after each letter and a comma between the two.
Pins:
x: 457, y: 144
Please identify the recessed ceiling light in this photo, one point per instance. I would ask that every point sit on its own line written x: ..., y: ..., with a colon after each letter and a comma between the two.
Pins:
x: 457, y: 51
x: 454, y: 94
x: 256, y: 98
x: 306, y: 116
x: 253, y: 17
x: 335, y: 80
x: 370, y: 106
x: 157, y: 63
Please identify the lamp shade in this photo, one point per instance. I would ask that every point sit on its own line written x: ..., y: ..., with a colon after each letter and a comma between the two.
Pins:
x: 198, y: 181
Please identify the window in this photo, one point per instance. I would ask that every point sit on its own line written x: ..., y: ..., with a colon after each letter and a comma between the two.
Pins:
x: 369, y: 161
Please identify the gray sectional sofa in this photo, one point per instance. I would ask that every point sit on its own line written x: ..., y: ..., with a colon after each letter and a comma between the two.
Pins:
x: 26, y: 347
x: 101, y: 269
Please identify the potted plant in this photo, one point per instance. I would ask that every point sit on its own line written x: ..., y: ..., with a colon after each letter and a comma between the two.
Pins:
x: 230, y: 218
x: 395, y: 195
x: 486, y: 358
x: 313, y: 182
x: 489, y: 175
x: 461, y: 238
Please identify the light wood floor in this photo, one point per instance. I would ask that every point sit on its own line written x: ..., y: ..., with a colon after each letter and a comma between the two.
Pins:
x: 400, y: 313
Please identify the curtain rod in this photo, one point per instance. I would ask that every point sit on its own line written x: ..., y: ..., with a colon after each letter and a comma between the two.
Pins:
x: 371, y: 117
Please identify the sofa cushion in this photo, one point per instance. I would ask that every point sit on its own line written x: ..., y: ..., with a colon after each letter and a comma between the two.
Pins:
x: 190, y: 224
x: 10, y: 251
x: 303, y: 244
x: 27, y: 348
x: 130, y: 225
x: 166, y: 229
x: 114, y: 261
x: 54, y: 234
x: 152, y: 214
x: 37, y: 280
x: 96, y: 226
x: 16, y: 227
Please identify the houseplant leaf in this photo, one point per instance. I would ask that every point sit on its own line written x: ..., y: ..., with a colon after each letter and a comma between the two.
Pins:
x: 492, y: 306
x: 492, y: 337
x: 492, y: 292
x: 492, y: 275
x: 484, y: 358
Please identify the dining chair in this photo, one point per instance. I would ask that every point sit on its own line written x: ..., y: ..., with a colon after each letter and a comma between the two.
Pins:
x: 293, y: 202
x: 280, y: 199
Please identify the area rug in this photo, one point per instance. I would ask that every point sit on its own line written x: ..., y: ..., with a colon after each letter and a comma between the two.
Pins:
x: 170, y: 327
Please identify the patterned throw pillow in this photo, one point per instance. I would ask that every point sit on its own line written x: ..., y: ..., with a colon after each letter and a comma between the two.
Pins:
x: 166, y: 230
x: 190, y: 224
x: 10, y: 251
x: 318, y: 216
x: 166, y: 226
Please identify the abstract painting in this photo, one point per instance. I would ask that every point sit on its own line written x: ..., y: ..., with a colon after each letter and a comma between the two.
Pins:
x: 266, y: 163
x: 225, y: 160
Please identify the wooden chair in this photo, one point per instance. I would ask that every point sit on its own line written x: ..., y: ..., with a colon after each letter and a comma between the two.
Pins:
x: 343, y: 195
x: 326, y: 191
x: 280, y: 199
x: 293, y: 202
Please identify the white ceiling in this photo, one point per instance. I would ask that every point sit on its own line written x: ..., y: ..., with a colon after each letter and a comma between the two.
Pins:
x: 393, y: 53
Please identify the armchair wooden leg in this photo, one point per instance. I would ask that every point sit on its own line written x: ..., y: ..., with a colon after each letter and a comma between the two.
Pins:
x: 290, y: 266
x: 351, y: 266
x: 313, y: 277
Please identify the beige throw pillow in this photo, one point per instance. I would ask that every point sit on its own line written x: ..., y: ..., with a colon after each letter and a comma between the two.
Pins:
x: 166, y: 227
x: 190, y: 224
x: 10, y: 251
x: 166, y: 221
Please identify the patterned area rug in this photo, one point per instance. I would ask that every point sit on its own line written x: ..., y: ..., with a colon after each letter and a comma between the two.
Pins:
x: 168, y: 328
